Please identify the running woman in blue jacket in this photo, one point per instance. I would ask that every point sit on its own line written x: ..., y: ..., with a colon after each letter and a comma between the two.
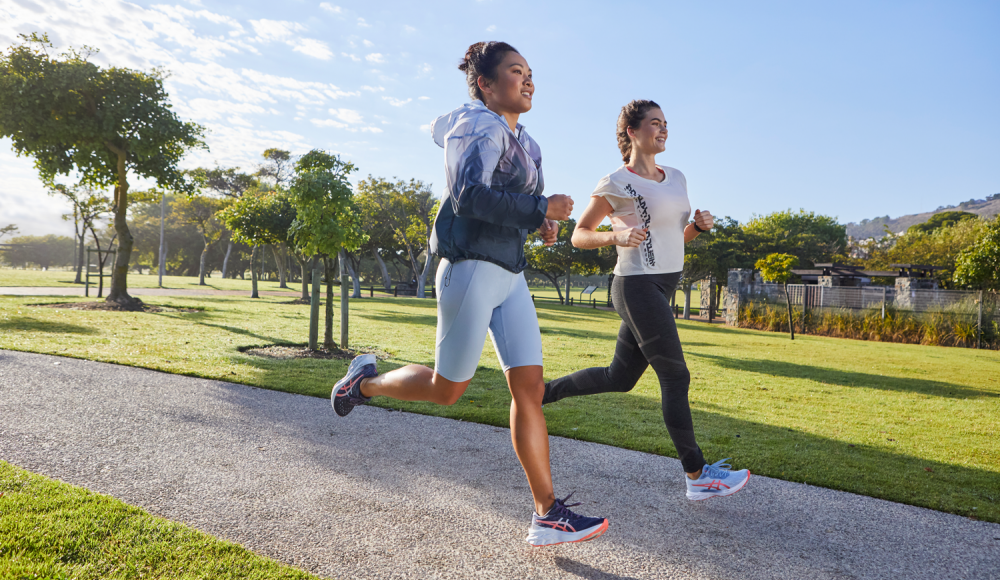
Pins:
x: 649, y: 210
x: 494, y: 184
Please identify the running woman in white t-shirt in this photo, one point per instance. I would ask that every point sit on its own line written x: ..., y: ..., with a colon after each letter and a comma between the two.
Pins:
x: 649, y: 210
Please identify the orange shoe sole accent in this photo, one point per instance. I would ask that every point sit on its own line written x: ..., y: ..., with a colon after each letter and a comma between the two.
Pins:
x: 599, y: 531
x: 745, y: 482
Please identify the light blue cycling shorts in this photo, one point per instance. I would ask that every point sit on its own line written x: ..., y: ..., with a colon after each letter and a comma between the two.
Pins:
x: 475, y: 296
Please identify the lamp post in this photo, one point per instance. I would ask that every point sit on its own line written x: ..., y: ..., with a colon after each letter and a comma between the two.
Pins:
x: 163, y: 204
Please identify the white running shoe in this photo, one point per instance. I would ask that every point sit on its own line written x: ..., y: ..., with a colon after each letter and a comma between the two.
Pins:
x: 716, y: 481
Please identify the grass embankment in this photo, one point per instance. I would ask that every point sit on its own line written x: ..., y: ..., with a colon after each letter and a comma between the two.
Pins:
x: 907, y: 423
x: 53, y: 530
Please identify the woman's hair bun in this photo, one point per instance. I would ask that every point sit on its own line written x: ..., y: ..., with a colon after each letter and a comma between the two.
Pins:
x: 482, y: 60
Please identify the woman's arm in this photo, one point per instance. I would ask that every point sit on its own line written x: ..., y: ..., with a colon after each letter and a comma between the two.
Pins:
x: 586, y: 236
x: 703, y: 219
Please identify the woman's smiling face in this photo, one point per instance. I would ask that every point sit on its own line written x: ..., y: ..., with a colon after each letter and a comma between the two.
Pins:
x: 651, y: 135
x: 513, y: 88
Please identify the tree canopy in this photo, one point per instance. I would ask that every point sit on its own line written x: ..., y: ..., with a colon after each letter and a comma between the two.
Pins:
x: 945, y: 219
x: 978, y: 265
x: 71, y: 115
x: 810, y: 237
x: 326, y: 219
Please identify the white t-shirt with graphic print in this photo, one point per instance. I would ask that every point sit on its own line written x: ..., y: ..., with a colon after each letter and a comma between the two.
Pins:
x: 662, y: 207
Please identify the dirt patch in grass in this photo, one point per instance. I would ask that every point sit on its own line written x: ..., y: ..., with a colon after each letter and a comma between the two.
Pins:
x: 294, y: 351
x: 114, y: 307
x: 297, y: 301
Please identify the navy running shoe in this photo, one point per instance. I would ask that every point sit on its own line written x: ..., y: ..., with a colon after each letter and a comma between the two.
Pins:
x: 561, y: 525
x: 716, y: 481
x: 346, y: 393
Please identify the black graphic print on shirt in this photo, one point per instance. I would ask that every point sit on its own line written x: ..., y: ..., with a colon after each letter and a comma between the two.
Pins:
x: 642, y: 211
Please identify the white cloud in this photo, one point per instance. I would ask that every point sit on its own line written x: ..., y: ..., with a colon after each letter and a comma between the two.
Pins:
x: 426, y: 128
x: 268, y: 30
x: 423, y: 98
x: 368, y: 43
x: 396, y: 102
x: 338, y: 94
x: 347, y: 115
x: 375, y: 57
x: 424, y: 68
x: 372, y: 89
x: 408, y: 28
x: 491, y: 28
x: 353, y: 57
x: 312, y: 47
x: 212, y: 110
x: 363, y: 24
x: 330, y: 8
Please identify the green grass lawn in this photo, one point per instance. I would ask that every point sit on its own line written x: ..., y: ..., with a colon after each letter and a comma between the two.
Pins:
x: 52, y: 530
x: 907, y: 423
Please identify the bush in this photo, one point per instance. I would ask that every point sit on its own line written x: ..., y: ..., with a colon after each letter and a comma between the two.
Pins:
x: 954, y: 327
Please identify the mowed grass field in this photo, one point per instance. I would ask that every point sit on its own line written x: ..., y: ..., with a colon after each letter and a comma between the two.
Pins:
x: 907, y: 423
x: 55, y: 531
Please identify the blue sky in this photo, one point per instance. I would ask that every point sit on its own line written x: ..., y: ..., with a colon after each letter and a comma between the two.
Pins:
x: 850, y: 109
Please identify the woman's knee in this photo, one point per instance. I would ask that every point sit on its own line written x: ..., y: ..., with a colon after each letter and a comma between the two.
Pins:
x: 448, y: 392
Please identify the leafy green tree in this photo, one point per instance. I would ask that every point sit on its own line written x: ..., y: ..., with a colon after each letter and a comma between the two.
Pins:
x: 71, y: 115
x: 699, y: 263
x: 978, y: 266
x: 326, y: 221
x: 89, y: 204
x: 200, y: 211
x: 407, y: 210
x: 945, y: 219
x: 381, y: 237
x: 8, y: 230
x: 42, y: 251
x: 231, y: 183
x: 810, y: 237
x: 940, y: 247
x: 778, y: 268
x: 256, y: 219
x: 277, y: 167
x: 561, y: 259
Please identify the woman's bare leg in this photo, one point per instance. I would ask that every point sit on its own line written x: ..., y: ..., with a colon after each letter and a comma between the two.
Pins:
x: 529, y: 433
x: 415, y: 383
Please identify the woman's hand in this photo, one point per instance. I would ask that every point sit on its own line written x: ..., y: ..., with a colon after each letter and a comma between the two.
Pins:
x: 549, y: 230
x: 704, y: 219
x: 560, y: 206
x: 631, y: 238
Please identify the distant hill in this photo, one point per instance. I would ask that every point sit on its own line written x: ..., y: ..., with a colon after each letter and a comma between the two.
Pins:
x: 874, y: 228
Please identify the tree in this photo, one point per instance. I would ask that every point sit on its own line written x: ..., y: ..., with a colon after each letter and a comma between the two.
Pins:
x: 277, y: 167
x: 945, y: 219
x: 407, y: 209
x: 71, y: 115
x: 978, y: 266
x: 726, y: 246
x: 8, y: 230
x: 699, y: 263
x: 259, y: 218
x: 43, y: 251
x: 200, y: 211
x: 230, y: 183
x: 778, y: 268
x: 326, y: 221
x: 561, y: 259
x: 940, y: 247
x: 89, y: 205
x: 810, y: 237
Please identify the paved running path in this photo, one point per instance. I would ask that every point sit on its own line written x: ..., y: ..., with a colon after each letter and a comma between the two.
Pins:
x: 385, y: 494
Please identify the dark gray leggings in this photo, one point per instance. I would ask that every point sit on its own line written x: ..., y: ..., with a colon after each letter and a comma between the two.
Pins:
x: 648, y: 336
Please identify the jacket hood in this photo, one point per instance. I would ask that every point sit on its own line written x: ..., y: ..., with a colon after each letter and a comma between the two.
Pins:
x: 443, y: 125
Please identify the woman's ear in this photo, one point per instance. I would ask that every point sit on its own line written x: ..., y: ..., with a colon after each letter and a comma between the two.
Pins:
x: 630, y: 132
x: 484, y: 85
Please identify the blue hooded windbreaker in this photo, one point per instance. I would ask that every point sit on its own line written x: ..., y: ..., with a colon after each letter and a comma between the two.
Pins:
x: 494, y: 180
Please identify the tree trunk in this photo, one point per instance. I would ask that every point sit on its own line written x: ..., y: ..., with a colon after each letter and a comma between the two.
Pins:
x: 314, y: 305
x: 687, y: 302
x: 305, y: 277
x: 423, y: 275
x: 788, y: 302
x: 343, y: 299
x: 356, y: 280
x: 386, y: 280
x: 201, y: 265
x: 119, y: 276
x: 225, y: 261
x: 281, y: 266
x: 80, y: 259
x: 253, y: 272
x: 328, y: 343
x: 569, y: 278
x: 555, y: 282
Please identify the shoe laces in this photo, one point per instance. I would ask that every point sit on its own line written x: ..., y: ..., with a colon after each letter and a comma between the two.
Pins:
x: 561, y: 509
x: 719, y: 469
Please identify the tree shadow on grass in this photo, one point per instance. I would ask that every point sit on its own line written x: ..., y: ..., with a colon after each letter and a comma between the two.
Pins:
x: 845, y: 378
x: 28, y: 324
x: 394, y: 317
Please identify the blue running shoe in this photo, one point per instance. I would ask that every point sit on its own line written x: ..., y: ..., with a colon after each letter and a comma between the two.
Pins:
x: 716, y: 481
x: 346, y: 393
x: 561, y: 525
